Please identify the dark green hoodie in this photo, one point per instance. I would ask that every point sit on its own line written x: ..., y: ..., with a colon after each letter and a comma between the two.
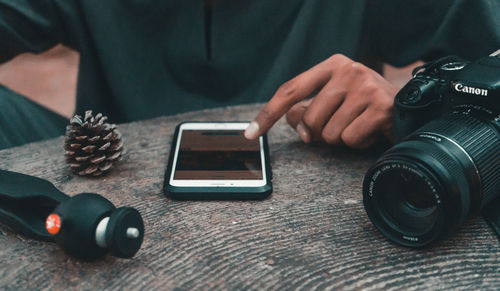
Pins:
x: 144, y: 58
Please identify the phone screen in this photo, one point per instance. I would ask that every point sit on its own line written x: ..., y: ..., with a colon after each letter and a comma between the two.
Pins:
x: 218, y: 155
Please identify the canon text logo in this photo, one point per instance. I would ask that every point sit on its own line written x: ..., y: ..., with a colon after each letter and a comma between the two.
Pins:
x: 471, y: 90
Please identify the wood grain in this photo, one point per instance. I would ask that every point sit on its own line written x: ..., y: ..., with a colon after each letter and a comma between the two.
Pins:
x: 312, y: 233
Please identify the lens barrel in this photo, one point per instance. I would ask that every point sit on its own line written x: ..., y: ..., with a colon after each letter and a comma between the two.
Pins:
x: 426, y: 186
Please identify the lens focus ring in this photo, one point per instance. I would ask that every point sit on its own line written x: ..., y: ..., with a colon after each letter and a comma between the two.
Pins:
x: 480, y: 140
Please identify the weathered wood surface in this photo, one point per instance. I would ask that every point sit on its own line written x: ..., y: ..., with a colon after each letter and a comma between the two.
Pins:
x: 312, y: 233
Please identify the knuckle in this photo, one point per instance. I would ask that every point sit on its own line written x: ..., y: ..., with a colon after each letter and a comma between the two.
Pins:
x: 354, y: 76
x: 330, y: 137
x: 342, y: 64
x: 339, y: 58
x: 311, y: 121
x: 357, y: 67
x: 337, y: 62
x: 266, y: 113
x: 384, y: 106
x: 288, y: 90
x: 357, y: 71
x: 371, y: 87
x: 348, y: 67
x: 290, y: 118
x: 336, y: 57
x: 350, y: 139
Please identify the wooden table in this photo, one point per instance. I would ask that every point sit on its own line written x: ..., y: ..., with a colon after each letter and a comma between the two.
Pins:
x: 312, y: 233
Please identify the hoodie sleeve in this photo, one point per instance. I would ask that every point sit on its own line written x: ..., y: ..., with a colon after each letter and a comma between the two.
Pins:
x: 402, y: 32
x: 30, y: 26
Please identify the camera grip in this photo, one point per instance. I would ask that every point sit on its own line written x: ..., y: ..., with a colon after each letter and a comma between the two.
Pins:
x: 414, y: 105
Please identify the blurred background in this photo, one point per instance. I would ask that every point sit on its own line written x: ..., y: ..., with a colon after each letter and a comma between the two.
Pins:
x: 50, y: 78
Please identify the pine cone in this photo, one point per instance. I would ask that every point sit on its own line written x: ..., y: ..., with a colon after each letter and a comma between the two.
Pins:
x: 92, y: 146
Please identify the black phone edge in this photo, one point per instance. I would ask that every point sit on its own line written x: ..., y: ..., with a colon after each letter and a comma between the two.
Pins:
x: 216, y: 193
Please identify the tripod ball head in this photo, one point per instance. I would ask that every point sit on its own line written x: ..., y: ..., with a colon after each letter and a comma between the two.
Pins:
x: 88, y: 226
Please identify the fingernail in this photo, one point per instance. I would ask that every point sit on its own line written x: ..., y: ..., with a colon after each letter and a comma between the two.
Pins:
x: 251, y: 131
x: 303, y: 132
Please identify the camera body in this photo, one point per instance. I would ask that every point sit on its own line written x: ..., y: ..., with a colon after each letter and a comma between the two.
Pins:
x: 445, y: 165
x: 448, y: 85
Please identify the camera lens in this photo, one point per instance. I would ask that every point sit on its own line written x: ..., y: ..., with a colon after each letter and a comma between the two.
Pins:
x: 407, y: 200
x: 402, y: 199
x: 426, y: 186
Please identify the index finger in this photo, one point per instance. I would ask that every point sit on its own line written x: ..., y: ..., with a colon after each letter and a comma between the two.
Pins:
x: 293, y: 91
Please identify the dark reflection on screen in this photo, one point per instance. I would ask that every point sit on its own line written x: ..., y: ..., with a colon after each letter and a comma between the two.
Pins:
x: 218, y: 155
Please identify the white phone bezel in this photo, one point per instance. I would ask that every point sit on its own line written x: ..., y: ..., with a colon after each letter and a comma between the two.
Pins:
x: 216, y: 183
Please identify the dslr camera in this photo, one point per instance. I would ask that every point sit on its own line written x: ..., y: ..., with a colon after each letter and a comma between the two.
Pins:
x: 445, y: 165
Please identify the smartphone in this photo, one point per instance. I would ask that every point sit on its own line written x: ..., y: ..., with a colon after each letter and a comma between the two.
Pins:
x: 214, y: 160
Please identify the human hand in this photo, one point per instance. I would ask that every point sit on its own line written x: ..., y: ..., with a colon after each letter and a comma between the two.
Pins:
x: 353, y: 106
